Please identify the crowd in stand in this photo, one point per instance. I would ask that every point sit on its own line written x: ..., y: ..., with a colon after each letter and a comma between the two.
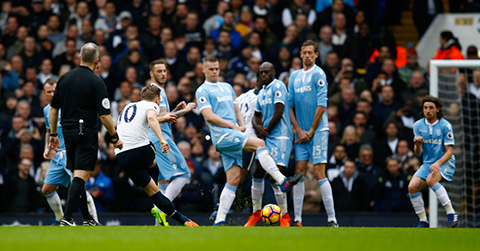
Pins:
x: 375, y: 87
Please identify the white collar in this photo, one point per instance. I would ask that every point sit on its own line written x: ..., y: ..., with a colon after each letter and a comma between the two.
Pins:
x: 210, y: 83
x: 432, y: 124
x: 266, y: 86
x: 309, y: 70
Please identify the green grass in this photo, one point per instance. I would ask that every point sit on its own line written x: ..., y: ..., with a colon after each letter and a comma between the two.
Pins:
x: 236, y: 238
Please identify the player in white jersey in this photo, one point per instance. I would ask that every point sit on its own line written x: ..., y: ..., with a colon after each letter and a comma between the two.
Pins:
x: 307, y: 98
x: 57, y: 173
x: 271, y: 123
x: 138, y: 155
x: 433, y: 136
x: 221, y: 112
x: 173, y: 169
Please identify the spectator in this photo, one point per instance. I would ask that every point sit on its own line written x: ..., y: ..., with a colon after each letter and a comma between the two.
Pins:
x: 46, y: 71
x: 412, y: 65
x: 474, y: 87
x: 351, y: 141
x: 87, y: 31
x: 100, y: 188
x: 185, y: 90
x: 303, y: 29
x: 245, y: 25
x: 9, y: 34
x: 235, y: 37
x: 9, y: 74
x: 267, y: 37
x: 450, y: 48
x: 363, y: 47
x: 403, y: 152
x: 350, y: 190
x: 347, y: 106
x: 214, y: 22
x: 341, y: 37
x: 31, y: 53
x: 387, y: 146
x: 256, y: 46
x: 297, y: 7
x: 388, y: 66
x: 81, y: 13
x: 417, y: 82
x: 290, y: 41
x: 17, y: 47
x: 365, y: 132
x: 193, y: 32
x: 67, y: 57
x: 37, y: 16
x: 68, y: 10
x: 151, y: 40
x: 369, y: 170
x: 53, y: 27
x: 423, y: 14
x: 175, y: 64
x: 385, y: 108
x: 336, y: 161
x: 169, y: 11
x: 325, y: 43
x: 374, y: 67
x: 224, y: 48
x: 391, y: 193
x: 108, y: 21
x: 61, y: 46
x: 406, y: 118
x: 21, y: 190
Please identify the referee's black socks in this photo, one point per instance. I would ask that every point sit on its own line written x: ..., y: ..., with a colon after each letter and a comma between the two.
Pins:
x: 77, y: 197
x: 164, y: 204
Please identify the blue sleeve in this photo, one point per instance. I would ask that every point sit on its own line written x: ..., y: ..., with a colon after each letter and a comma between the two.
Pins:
x: 448, y: 137
x: 291, y: 91
x: 280, y: 95
x: 203, y: 99
x: 47, y: 119
x: 233, y: 93
x: 322, y: 90
x: 416, y: 131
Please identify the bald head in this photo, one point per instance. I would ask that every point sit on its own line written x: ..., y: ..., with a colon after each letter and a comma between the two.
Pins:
x: 267, y: 73
x: 89, y: 53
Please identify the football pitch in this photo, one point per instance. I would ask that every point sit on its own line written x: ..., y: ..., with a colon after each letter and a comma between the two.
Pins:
x: 236, y: 238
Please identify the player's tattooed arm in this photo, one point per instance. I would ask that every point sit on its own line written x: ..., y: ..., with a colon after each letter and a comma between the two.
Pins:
x: 183, y: 109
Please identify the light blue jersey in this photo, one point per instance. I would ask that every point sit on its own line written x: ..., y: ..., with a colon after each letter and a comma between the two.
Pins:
x: 57, y: 172
x: 172, y: 163
x: 435, y: 137
x: 220, y: 97
x: 273, y: 93
x: 307, y: 90
x: 46, y: 114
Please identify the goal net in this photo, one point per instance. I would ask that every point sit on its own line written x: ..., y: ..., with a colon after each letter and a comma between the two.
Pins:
x: 461, y: 108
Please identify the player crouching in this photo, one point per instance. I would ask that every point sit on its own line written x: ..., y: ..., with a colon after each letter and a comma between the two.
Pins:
x: 137, y: 156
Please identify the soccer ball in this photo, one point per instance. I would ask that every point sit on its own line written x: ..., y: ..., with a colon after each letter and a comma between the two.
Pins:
x: 271, y: 214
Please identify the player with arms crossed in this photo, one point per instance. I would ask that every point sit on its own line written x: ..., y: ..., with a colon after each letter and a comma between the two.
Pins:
x: 272, y: 123
x: 307, y: 98
x: 57, y: 172
x: 221, y: 112
x: 174, y: 172
x: 138, y: 155
x: 433, y: 136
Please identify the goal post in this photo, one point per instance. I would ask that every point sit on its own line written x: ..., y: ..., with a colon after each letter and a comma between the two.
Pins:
x: 463, y: 189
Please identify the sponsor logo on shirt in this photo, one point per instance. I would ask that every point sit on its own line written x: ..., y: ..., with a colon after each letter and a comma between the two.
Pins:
x: 303, y: 89
x: 266, y: 101
x: 433, y: 141
x: 224, y: 98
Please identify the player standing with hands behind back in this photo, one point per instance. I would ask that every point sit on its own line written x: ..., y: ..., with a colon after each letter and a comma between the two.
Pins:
x: 307, y: 98
x: 81, y: 95
x: 433, y: 136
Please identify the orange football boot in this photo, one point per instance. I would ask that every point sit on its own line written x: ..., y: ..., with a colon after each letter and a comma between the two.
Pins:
x: 254, y: 218
x: 191, y: 223
x: 299, y: 224
x: 285, y: 221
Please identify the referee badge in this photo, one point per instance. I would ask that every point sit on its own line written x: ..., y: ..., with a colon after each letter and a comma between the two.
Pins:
x: 202, y: 99
x: 106, y: 103
x: 449, y: 135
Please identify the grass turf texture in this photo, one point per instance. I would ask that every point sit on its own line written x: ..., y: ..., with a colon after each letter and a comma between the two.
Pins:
x: 235, y: 238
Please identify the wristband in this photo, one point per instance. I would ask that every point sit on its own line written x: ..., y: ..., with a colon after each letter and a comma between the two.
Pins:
x: 53, y: 134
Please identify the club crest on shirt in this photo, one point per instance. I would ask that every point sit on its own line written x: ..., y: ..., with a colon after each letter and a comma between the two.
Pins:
x: 309, y: 78
x: 439, y: 132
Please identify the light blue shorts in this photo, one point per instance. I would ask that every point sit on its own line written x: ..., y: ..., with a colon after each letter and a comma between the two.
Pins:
x: 446, y: 170
x: 172, y: 163
x: 280, y: 150
x: 231, y: 148
x: 315, y: 150
x: 57, y: 172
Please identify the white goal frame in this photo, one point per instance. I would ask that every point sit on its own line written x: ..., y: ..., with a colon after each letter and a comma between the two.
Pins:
x: 434, y: 65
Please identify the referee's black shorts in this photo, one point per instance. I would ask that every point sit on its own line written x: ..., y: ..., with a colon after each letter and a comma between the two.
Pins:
x: 137, y: 163
x: 81, y: 149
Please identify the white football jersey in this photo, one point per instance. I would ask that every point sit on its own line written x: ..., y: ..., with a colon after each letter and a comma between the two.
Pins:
x: 247, y: 103
x: 132, y: 125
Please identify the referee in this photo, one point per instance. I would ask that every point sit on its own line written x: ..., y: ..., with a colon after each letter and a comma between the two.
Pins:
x: 81, y: 95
